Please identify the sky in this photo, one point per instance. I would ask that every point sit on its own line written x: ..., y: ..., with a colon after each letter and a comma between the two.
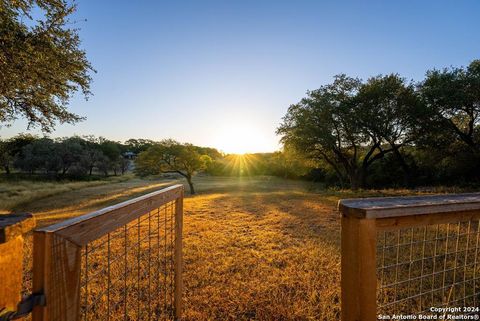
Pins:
x: 223, y: 73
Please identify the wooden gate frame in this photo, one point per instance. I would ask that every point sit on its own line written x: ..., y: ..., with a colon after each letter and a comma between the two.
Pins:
x: 363, y: 218
x: 57, y: 252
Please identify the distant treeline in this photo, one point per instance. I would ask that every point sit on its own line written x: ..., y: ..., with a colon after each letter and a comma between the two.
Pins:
x: 69, y: 157
x: 285, y: 164
x: 444, y: 162
x: 89, y: 156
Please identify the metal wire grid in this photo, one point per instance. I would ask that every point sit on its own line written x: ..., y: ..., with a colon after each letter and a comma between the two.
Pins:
x: 129, y: 274
x: 430, y: 266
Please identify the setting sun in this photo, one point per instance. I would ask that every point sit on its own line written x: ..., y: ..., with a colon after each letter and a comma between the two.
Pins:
x: 241, y: 139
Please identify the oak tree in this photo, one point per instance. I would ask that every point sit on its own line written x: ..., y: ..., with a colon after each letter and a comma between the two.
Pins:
x: 452, y: 96
x: 41, y: 63
x: 170, y: 156
x: 326, y: 126
x: 390, y: 112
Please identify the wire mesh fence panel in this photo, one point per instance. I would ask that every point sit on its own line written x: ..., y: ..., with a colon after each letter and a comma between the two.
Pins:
x: 428, y: 266
x: 128, y: 274
x: 119, y: 263
x: 411, y: 258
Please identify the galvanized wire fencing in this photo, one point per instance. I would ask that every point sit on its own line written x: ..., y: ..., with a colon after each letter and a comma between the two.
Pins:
x: 120, y: 263
x: 130, y: 272
x: 430, y: 266
x: 411, y: 256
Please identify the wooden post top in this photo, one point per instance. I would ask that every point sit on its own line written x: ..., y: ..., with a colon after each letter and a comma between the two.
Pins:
x: 382, y: 207
x: 13, y: 225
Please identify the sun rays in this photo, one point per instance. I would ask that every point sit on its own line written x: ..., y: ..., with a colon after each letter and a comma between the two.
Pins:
x: 241, y: 164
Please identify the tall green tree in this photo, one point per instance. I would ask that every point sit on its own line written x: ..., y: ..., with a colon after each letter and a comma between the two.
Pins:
x: 138, y: 145
x: 351, y: 124
x: 69, y: 151
x: 170, y: 156
x: 92, y: 155
x: 40, y: 155
x: 452, y: 96
x: 390, y: 111
x: 11, y: 148
x: 327, y: 126
x: 41, y: 62
x: 112, y: 152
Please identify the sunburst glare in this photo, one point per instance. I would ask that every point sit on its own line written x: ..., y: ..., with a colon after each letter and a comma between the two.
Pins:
x: 241, y: 138
x: 241, y: 164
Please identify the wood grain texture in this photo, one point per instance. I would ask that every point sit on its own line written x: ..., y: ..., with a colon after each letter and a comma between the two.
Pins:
x: 178, y: 258
x: 402, y: 222
x: 12, y: 229
x: 41, y: 256
x: 57, y: 263
x: 383, y: 207
x: 359, y: 279
x: 13, y: 225
x: 89, y: 227
x: 11, y: 261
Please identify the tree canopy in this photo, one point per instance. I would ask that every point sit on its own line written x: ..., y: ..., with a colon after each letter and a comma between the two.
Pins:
x: 41, y: 63
x: 452, y: 96
x: 72, y: 157
x: 389, y: 111
x: 354, y: 125
x: 169, y: 156
x: 350, y: 124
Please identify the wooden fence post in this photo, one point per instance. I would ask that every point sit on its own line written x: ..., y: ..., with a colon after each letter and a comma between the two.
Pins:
x: 56, y: 273
x: 178, y: 256
x: 362, y: 219
x: 359, y: 280
x: 40, y: 263
x: 12, y: 229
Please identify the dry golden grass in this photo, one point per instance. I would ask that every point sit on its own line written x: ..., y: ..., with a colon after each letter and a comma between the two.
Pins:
x: 261, y: 255
x: 14, y: 195
x: 128, y: 274
x: 254, y: 249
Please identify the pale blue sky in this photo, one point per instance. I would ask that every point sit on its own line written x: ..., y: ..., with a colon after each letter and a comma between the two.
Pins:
x: 207, y: 71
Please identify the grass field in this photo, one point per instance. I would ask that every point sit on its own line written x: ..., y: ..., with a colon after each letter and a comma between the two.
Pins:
x: 17, y: 195
x: 254, y: 248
